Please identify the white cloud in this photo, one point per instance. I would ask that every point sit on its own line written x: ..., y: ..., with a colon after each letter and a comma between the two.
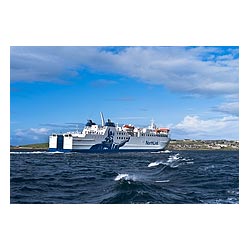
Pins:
x: 39, y: 131
x: 31, y: 135
x: 228, y: 108
x: 195, y: 128
x: 203, y: 70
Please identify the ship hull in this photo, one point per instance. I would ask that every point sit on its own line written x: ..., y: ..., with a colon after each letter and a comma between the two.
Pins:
x: 94, y: 147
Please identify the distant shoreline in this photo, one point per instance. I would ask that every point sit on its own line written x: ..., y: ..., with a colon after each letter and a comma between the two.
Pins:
x: 189, y: 144
x: 21, y: 149
x: 186, y: 144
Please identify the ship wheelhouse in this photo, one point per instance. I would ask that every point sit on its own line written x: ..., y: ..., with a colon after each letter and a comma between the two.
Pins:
x: 109, y: 123
x: 90, y: 123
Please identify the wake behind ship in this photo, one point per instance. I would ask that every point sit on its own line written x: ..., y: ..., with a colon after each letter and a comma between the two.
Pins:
x: 109, y: 137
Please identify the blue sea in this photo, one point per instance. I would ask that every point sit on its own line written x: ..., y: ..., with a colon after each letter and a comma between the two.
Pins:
x: 169, y: 177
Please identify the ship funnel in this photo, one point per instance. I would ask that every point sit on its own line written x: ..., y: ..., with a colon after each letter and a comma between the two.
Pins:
x: 102, y: 118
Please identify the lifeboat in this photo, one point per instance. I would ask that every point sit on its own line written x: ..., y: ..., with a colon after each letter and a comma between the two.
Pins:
x: 128, y: 126
x: 162, y: 130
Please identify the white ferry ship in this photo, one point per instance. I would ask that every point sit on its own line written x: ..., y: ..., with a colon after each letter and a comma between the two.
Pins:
x: 110, y: 137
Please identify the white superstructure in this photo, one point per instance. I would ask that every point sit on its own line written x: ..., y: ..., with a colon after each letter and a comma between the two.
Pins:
x: 111, y: 137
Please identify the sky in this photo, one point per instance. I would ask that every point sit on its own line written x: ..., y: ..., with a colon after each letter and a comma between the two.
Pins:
x: 192, y: 90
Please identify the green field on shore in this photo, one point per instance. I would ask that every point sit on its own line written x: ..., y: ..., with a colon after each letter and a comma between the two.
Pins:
x: 33, y: 146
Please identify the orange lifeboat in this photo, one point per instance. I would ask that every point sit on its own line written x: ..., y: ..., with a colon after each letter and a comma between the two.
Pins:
x: 162, y: 130
x: 128, y: 126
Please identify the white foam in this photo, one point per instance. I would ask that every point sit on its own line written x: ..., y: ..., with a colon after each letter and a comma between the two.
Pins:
x: 162, y: 152
x: 189, y: 162
x: 208, y: 167
x: 34, y: 152
x: 173, y: 158
x: 163, y: 181
x: 154, y: 164
x: 126, y: 177
x: 37, y: 152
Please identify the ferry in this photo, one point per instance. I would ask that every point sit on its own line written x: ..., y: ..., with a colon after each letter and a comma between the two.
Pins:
x: 109, y: 137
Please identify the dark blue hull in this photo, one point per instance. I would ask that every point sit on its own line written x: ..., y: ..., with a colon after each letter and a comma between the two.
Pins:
x: 102, y: 151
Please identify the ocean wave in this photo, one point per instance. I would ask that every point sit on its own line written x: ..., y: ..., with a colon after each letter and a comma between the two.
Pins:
x: 161, y: 152
x: 173, y: 158
x: 156, y: 163
x: 30, y: 152
x: 171, y: 162
x: 37, y: 152
x: 162, y: 181
x: 229, y: 200
x: 126, y: 177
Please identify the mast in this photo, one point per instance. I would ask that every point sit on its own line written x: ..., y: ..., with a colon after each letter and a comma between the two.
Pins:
x: 152, y: 126
x: 102, y: 118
